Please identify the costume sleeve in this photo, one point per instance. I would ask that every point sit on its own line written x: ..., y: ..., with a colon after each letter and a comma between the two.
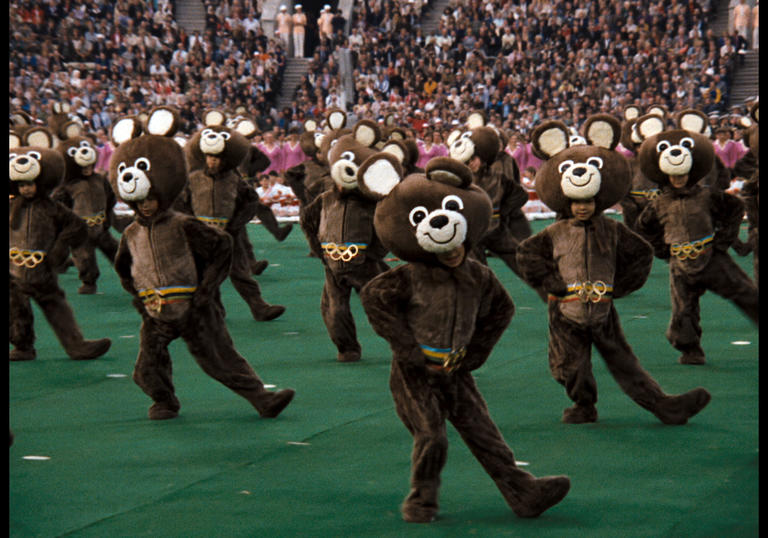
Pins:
x: 722, y: 179
x: 538, y: 267
x: 750, y: 193
x: 490, y: 326
x: 62, y: 196
x: 650, y: 228
x: 514, y: 197
x: 745, y: 166
x: 385, y: 300
x: 727, y: 214
x: 245, y: 207
x: 123, y: 261
x: 310, y: 223
x: 212, y: 250
x: 294, y: 178
x: 634, y: 258
x: 183, y: 202
x: 257, y: 162
x: 72, y: 233
x: 109, y: 210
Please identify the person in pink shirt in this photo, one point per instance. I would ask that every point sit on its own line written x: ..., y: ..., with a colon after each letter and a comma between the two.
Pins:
x: 292, y: 152
x: 432, y: 146
x: 728, y: 150
x: 523, y: 153
x: 104, y: 150
x: 272, y: 149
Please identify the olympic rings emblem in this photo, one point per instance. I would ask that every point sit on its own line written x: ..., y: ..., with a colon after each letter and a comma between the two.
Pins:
x: 341, y: 252
x: 26, y: 258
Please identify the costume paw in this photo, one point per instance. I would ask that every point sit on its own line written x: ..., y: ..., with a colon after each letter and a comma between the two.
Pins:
x: 677, y: 410
x: 275, y: 402
x: 580, y: 414
x: 545, y: 493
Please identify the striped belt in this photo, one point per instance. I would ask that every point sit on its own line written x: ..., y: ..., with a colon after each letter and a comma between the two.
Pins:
x: 691, y: 249
x: 26, y: 258
x: 95, y: 220
x: 496, y: 213
x: 650, y: 194
x: 443, y: 358
x: 155, y: 298
x: 343, y: 251
x: 587, y: 292
x: 221, y: 222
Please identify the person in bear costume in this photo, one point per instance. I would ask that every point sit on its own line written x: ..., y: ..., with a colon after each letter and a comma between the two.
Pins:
x: 40, y: 233
x: 172, y: 265
x: 218, y: 196
x: 479, y: 148
x: 442, y: 313
x: 89, y: 195
x: 584, y: 261
x: 749, y: 167
x: 309, y: 179
x: 692, y: 226
x: 339, y: 230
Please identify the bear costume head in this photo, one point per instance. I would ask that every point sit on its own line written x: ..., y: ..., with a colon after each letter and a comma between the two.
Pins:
x: 348, y: 153
x: 63, y: 124
x: 752, y: 131
x: 220, y: 141
x: 429, y: 214
x: 632, y: 113
x: 79, y: 152
x: 150, y: 163
x: 39, y: 163
x: 482, y: 142
x: 31, y: 135
x: 581, y: 172
x: 672, y: 152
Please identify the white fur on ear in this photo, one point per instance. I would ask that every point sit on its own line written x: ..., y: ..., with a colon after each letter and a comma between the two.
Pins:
x: 456, y: 133
x: 14, y: 141
x: 213, y: 117
x: 180, y: 140
x: 40, y: 138
x: 600, y: 133
x: 72, y: 129
x: 650, y: 126
x: 161, y: 122
x: 123, y: 130
x: 552, y: 141
x: 365, y: 135
x: 693, y: 122
x: 658, y: 111
x: 394, y: 149
x: 381, y: 177
x: 631, y: 113
x: 246, y: 127
x: 745, y: 122
x: 475, y: 119
x: 19, y: 119
x: 337, y: 119
x: 310, y: 125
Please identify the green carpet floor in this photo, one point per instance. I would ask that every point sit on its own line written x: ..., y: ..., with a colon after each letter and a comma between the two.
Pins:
x: 336, y: 462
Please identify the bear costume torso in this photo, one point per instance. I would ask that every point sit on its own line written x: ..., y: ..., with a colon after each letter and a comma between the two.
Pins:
x: 213, y: 200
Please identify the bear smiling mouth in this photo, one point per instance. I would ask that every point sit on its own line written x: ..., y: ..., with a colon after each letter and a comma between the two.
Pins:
x: 673, y: 163
x: 455, y: 226
x: 583, y: 183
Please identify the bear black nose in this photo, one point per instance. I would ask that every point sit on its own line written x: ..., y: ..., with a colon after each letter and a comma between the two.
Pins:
x: 128, y: 176
x: 675, y: 152
x: 579, y: 171
x: 439, y: 221
x: 349, y: 171
x: 22, y: 160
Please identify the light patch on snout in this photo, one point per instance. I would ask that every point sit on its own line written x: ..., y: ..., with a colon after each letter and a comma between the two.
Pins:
x: 581, y: 181
x: 213, y: 142
x: 132, y: 181
x: 462, y: 149
x: 675, y: 160
x: 24, y: 167
x: 83, y: 155
x: 441, y: 231
x: 344, y: 173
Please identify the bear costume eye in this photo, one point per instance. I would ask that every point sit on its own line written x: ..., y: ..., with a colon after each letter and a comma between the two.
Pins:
x: 225, y: 135
x: 451, y: 203
x: 565, y: 165
x: 597, y: 162
x: 687, y: 142
x: 71, y: 151
x: 417, y: 214
x: 85, y: 144
x: 142, y: 164
x: 662, y: 146
x: 121, y: 167
x: 347, y: 156
x: 35, y: 155
x: 206, y: 132
x: 12, y: 156
x: 466, y: 134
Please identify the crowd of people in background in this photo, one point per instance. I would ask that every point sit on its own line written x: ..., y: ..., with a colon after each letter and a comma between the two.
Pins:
x: 520, y: 61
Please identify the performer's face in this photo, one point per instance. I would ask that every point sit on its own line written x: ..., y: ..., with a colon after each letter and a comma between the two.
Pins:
x: 27, y: 189
x: 148, y: 206
x: 583, y: 209
x: 213, y: 163
x: 452, y: 258
x: 678, y: 182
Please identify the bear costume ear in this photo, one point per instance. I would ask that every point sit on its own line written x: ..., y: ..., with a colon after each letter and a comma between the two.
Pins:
x: 659, y: 110
x: 378, y: 175
x: 162, y: 121
x: 602, y: 130
x: 397, y: 149
x: 455, y: 134
x: 20, y: 117
x: 124, y: 129
x: 72, y: 129
x: 389, y: 120
x: 367, y: 132
x: 310, y: 125
x: 692, y: 120
x: 213, y: 117
x: 449, y: 171
x: 246, y: 127
x: 240, y: 110
x: 39, y: 137
x: 14, y: 139
x: 336, y: 118
x: 476, y: 119
x: 754, y: 112
x: 631, y: 112
x: 549, y: 138
x: 647, y: 126
x: 180, y: 140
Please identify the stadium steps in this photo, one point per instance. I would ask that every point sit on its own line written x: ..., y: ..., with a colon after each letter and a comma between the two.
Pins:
x: 746, y: 81
x: 190, y: 15
x: 295, y: 69
x: 431, y: 17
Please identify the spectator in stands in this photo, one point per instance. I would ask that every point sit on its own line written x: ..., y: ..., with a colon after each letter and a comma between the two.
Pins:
x: 299, y: 20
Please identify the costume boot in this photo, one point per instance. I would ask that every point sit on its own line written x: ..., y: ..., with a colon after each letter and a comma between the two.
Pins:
x: 542, y: 494
x: 678, y: 409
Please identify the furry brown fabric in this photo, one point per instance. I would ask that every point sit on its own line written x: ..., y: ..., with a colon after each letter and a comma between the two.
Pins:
x: 424, y: 308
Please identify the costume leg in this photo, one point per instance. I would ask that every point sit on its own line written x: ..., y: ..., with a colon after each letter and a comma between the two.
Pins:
x: 337, y: 315
x: 269, y: 221
x: 684, y: 331
x: 210, y: 343
x: 418, y: 405
x: 57, y: 311
x: 518, y: 226
x: 571, y: 366
x: 248, y: 288
x: 637, y: 383
x: 525, y: 494
x: 153, y: 371
x: 84, y: 257
x: 257, y: 266
x: 107, y: 244
x: 729, y: 281
x: 21, y: 326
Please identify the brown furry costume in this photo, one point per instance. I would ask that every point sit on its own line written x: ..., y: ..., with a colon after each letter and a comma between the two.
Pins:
x: 442, y: 322
x: 92, y: 199
x: 223, y: 199
x: 172, y: 265
x: 507, y: 196
x: 584, y: 265
x: 692, y: 226
x: 339, y: 228
x: 40, y: 233
x: 749, y: 167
